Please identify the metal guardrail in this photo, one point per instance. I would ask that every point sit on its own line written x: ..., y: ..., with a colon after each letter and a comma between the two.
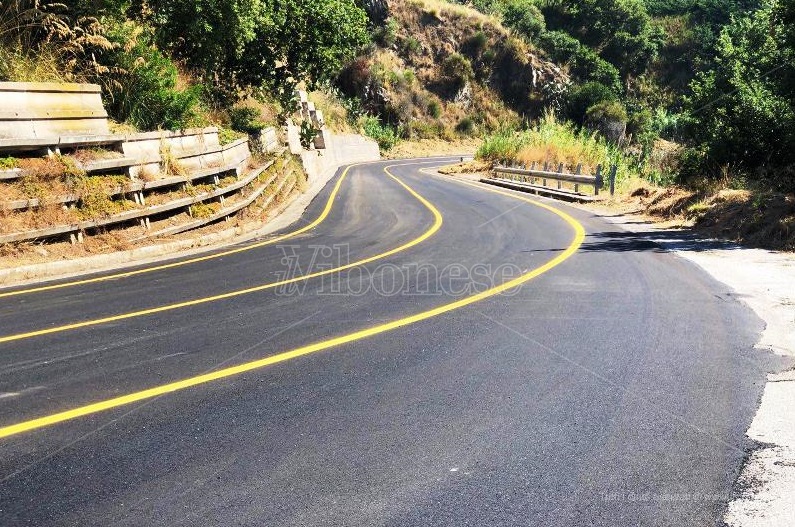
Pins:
x: 539, y: 179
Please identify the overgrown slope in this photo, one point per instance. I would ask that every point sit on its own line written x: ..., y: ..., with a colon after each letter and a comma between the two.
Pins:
x: 439, y: 70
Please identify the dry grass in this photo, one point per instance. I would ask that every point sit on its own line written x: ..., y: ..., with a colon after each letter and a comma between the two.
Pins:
x: 42, y: 66
x: 334, y: 114
x: 468, y: 167
x: 433, y: 147
x: 87, y: 155
x: 757, y: 219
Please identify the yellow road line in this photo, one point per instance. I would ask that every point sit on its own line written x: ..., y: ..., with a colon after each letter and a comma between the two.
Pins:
x: 437, y: 224
x: 125, y: 274
x: 171, y: 265
x: 579, y: 236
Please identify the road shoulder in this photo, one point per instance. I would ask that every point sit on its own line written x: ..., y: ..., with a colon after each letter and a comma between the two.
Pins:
x: 764, y: 493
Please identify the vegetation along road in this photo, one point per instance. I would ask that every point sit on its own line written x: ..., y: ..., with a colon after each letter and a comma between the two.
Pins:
x: 415, y: 350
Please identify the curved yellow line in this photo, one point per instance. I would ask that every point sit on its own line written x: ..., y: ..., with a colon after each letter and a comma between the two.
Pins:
x: 180, y: 263
x: 323, y: 215
x: 579, y: 236
x: 437, y: 224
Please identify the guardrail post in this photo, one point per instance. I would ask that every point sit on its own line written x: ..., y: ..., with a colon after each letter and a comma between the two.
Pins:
x: 546, y: 168
x: 613, y: 170
x: 560, y: 171
x: 598, y: 183
x: 577, y: 171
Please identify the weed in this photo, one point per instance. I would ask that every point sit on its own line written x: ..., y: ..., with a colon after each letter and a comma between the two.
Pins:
x: 95, y: 201
x: 227, y: 135
x: 169, y: 164
x: 246, y: 119
x: 385, y: 135
x: 8, y: 163
x: 204, y: 210
x: 412, y: 46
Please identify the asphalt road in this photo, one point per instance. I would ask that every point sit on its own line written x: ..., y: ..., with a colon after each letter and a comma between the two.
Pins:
x: 611, y: 386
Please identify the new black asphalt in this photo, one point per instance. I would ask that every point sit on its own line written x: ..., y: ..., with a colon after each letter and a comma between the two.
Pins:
x: 614, y: 389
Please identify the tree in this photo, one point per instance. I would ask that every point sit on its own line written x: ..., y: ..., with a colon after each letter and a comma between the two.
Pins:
x: 742, y: 112
x: 302, y: 40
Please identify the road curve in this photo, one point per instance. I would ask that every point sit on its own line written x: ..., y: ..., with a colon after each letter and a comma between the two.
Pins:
x: 433, y: 353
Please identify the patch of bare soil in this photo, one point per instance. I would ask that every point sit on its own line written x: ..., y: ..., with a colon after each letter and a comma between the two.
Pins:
x: 432, y: 147
x: 468, y: 167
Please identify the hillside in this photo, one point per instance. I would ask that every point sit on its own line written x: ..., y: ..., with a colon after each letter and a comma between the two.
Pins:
x: 440, y: 70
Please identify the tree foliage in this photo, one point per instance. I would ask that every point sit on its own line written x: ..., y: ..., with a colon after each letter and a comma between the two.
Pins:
x: 742, y: 112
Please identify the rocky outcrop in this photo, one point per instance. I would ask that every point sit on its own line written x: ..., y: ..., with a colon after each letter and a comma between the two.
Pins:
x: 377, y: 10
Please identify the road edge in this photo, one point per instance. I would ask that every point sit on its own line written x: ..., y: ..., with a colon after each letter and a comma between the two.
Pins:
x: 764, y: 491
x: 284, y: 216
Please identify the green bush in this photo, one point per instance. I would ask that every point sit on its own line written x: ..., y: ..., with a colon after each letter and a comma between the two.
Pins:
x: 582, y: 97
x: 465, y: 126
x: 386, y: 35
x: 435, y: 109
x: 385, y: 135
x: 246, y: 119
x: 606, y: 111
x: 144, y: 91
x: 457, y: 70
x: 411, y: 46
x: 524, y: 17
x: 477, y: 43
x: 739, y: 114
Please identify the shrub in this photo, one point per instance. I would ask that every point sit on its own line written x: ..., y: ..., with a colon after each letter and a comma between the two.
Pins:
x: 245, y: 119
x: 385, y: 135
x: 524, y: 17
x: 435, y: 109
x: 465, y: 126
x: 386, y: 35
x: 607, y: 111
x: 609, y: 118
x: 457, y: 70
x: 144, y: 90
x: 411, y: 46
x: 582, y: 97
x: 560, y: 46
x: 476, y: 44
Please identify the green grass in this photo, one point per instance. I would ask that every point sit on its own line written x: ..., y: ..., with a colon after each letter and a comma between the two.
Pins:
x: 8, y: 163
x: 385, y: 135
x: 553, y: 142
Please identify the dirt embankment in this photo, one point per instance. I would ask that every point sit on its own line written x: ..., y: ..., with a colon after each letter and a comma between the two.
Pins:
x: 760, y: 219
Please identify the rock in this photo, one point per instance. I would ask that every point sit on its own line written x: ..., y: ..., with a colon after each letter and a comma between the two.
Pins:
x: 377, y: 10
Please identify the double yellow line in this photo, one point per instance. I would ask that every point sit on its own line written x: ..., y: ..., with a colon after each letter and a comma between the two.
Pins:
x: 180, y: 263
x: 579, y: 235
x: 437, y: 224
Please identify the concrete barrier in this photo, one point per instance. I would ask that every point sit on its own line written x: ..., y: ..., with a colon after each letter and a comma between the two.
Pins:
x: 37, y: 115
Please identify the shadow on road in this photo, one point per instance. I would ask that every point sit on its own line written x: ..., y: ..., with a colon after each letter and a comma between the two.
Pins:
x: 654, y: 241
